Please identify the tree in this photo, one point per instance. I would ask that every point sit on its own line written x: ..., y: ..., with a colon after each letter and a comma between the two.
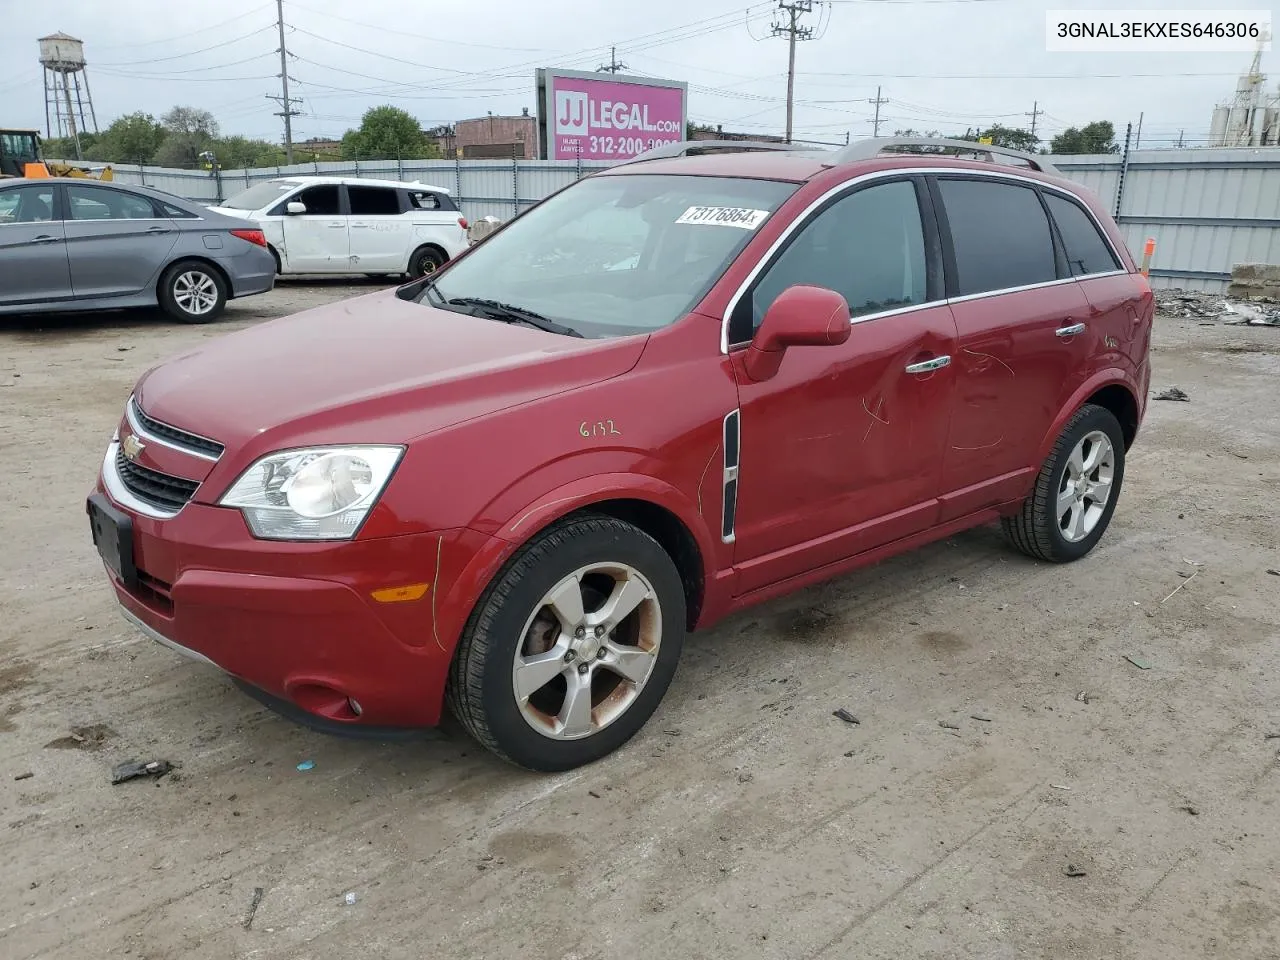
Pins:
x: 1014, y: 138
x: 386, y: 133
x: 236, y: 153
x: 188, y: 133
x: 133, y: 138
x: 1096, y: 137
x: 692, y: 128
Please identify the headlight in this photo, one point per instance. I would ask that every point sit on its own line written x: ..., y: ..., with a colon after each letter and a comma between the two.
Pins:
x: 322, y: 493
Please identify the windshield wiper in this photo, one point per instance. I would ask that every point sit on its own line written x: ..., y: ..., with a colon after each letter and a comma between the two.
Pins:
x: 505, y: 312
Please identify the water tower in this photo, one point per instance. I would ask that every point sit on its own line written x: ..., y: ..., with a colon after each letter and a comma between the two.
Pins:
x: 62, y: 58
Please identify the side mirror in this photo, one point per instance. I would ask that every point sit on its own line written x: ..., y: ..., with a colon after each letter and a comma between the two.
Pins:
x: 295, y: 207
x: 801, y: 316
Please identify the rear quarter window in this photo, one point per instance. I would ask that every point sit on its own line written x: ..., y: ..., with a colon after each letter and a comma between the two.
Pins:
x: 1087, y: 250
x: 999, y: 233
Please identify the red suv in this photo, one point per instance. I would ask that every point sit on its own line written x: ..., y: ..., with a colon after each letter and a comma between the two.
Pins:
x: 678, y: 387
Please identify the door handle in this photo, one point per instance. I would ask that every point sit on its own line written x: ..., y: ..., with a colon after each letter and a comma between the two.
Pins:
x: 925, y: 366
x: 45, y: 239
x: 157, y: 229
x: 1070, y: 331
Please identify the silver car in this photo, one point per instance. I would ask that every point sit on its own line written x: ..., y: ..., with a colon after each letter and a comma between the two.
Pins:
x: 74, y: 244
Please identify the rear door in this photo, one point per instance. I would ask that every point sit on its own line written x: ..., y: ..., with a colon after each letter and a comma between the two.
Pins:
x: 1118, y: 302
x: 1023, y: 336
x: 33, y: 254
x: 317, y: 241
x: 117, y: 241
x: 842, y: 449
x: 381, y: 232
x: 436, y: 219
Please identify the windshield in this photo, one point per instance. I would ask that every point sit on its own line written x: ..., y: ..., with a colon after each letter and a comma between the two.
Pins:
x: 260, y: 195
x: 613, y: 256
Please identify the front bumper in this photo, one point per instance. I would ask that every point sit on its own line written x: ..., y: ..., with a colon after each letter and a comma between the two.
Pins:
x: 298, y: 620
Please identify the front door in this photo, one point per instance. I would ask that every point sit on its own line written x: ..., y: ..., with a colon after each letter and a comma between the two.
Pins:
x: 380, y: 234
x: 117, y: 242
x: 841, y: 450
x: 317, y: 241
x: 1023, y: 336
x: 33, y: 254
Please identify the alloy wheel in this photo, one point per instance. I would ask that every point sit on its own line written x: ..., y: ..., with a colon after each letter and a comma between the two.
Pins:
x: 587, y: 651
x: 1086, y: 486
x: 195, y: 292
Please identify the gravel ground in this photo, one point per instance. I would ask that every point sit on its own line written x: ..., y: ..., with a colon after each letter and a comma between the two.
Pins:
x: 1080, y: 808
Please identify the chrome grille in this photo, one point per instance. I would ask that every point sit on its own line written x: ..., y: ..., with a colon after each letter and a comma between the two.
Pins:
x: 181, y: 439
x: 152, y: 486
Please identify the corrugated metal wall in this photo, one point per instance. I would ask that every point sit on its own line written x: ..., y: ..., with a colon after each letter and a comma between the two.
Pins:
x: 1206, y: 209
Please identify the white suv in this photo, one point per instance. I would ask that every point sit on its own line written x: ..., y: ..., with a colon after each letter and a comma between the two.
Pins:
x: 318, y: 225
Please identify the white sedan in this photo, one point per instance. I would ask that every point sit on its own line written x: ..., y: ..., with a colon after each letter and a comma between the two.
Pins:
x: 345, y: 225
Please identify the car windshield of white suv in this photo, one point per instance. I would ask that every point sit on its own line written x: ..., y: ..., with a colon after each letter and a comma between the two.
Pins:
x: 612, y: 255
x: 260, y: 195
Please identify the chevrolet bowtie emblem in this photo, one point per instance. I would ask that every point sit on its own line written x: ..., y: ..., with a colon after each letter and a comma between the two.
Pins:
x: 131, y: 446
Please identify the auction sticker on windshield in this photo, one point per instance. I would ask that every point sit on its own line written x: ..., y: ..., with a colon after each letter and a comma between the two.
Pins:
x: 724, y: 217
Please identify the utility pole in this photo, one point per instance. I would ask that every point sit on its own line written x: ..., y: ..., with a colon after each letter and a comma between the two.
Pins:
x: 791, y: 29
x: 1034, y: 114
x: 1180, y: 133
x: 877, y: 101
x: 613, y: 66
x: 286, y: 102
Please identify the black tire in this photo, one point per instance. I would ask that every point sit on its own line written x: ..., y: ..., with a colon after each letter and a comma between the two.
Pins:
x: 175, y: 289
x: 1035, y: 529
x: 481, y: 691
x: 426, y: 260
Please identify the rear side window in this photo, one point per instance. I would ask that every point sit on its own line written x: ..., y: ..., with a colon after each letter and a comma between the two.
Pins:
x: 373, y: 201
x: 1000, y: 234
x: 425, y: 200
x: 868, y: 246
x: 1087, y: 250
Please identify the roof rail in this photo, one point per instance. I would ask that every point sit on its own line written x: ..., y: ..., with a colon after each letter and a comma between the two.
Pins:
x: 685, y: 148
x: 873, y: 147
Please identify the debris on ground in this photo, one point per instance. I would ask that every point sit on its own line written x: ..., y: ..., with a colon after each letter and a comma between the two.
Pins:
x: 845, y: 715
x: 1173, y: 393
x: 1272, y: 736
x: 306, y: 765
x: 1059, y: 786
x: 1073, y: 871
x: 1274, y: 573
x: 1182, y: 584
x: 1138, y: 662
x: 24, y: 776
x: 980, y: 717
x: 350, y: 898
x: 948, y: 725
x: 133, y: 769
x: 1082, y: 697
x: 253, y: 907
x: 1198, y: 305
x: 1189, y: 808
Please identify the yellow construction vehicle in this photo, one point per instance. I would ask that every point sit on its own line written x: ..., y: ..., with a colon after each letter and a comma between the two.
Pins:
x: 20, y: 156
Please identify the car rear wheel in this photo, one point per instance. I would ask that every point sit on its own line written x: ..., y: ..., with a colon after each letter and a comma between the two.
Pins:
x: 425, y: 260
x: 571, y: 649
x: 192, y: 292
x: 1076, y: 490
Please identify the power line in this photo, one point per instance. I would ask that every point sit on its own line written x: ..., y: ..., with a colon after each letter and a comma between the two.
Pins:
x: 190, y: 53
x: 382, y: 29
x: 182, y: 36
x: 791, y: 29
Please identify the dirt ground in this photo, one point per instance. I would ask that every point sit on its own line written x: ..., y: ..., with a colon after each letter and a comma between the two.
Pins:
x: 746, y: 820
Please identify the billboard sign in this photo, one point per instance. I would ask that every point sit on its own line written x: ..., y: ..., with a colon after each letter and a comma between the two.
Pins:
x: 599, y: 116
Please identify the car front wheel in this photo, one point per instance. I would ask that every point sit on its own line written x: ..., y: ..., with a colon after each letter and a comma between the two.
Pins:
x: 1076, y: 490
x: 571, y: 649
x: 192, y: 292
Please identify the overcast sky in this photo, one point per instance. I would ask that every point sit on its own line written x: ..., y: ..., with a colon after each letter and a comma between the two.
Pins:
x: 944, y: 64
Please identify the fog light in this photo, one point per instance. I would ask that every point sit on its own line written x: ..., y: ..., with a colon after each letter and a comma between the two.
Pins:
x: 354, y: 704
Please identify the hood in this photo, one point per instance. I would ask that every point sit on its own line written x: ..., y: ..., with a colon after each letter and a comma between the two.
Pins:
x: 374, y: 369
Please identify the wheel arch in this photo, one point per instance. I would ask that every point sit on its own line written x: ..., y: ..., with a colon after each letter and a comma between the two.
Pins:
x: 1110, y: 389
x: 429, y: 245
